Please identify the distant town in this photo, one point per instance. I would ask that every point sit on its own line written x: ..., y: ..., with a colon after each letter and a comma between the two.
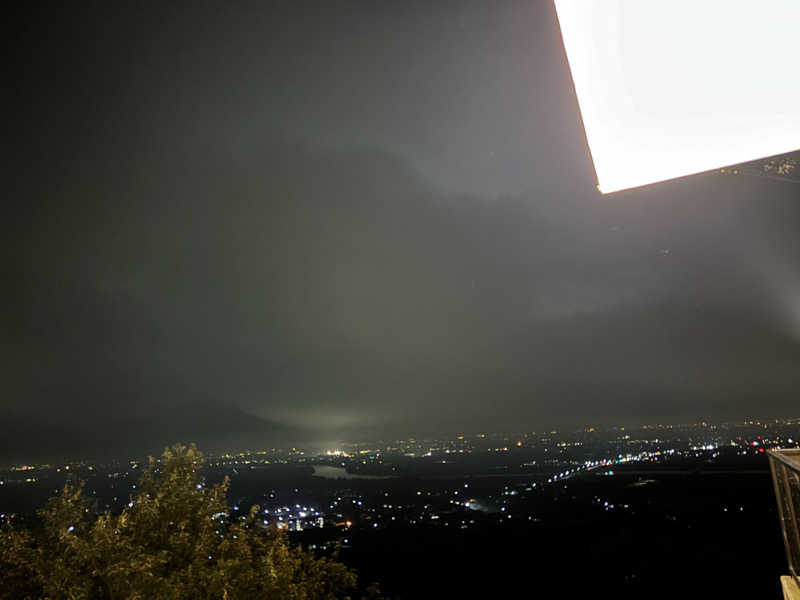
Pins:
x: 452, y: 482
x: 631, y: 498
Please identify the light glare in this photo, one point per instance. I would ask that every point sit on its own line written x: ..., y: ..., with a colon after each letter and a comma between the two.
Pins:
x: 668, y: 89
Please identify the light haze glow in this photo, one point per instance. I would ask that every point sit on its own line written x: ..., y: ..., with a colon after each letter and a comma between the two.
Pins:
x: 668, y: 89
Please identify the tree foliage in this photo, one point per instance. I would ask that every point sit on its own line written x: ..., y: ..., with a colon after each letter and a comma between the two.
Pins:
x: 174, y: 540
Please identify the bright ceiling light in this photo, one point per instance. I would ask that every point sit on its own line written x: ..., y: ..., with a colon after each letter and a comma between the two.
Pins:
x: 671, y: 88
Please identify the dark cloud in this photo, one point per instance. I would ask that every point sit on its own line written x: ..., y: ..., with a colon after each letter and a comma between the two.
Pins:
x: 374, y: 217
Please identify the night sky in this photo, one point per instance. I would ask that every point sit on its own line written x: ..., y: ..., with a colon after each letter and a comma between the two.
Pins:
x: 357, y: 218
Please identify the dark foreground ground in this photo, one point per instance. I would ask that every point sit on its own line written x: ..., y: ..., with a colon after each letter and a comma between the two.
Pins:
x: 674, y: 540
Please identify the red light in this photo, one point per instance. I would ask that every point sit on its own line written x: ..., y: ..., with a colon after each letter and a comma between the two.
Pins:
x: 758, y: 437
x: 761, y: 450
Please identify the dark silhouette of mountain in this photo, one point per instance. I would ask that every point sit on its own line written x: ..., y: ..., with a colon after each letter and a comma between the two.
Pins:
x: 212, y: 426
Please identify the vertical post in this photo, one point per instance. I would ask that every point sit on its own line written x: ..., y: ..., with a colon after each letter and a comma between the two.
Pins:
x: 785, y: 468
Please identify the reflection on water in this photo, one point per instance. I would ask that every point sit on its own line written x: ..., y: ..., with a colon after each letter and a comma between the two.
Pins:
x: 340, y: 473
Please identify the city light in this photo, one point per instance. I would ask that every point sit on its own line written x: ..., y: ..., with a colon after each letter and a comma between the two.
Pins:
x: 668, y: 89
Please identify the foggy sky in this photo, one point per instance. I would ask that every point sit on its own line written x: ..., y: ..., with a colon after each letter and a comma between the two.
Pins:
x: 360, y: 217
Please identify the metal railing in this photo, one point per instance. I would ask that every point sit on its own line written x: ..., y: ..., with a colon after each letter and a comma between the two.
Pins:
x: 785, y: 467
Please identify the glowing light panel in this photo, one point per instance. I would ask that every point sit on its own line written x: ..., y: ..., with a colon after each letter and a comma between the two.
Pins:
x: 667, y: 88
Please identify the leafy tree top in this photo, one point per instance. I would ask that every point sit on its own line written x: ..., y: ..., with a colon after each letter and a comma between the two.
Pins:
x: 174, y: 540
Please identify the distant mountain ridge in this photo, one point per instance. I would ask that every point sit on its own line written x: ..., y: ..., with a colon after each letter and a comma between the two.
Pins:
x: 211, y: 425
